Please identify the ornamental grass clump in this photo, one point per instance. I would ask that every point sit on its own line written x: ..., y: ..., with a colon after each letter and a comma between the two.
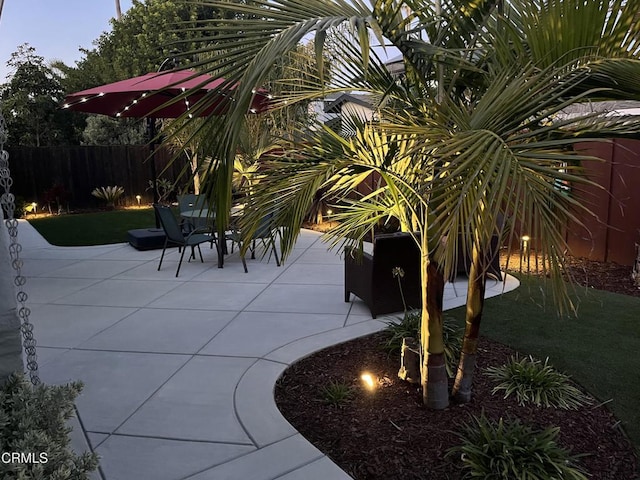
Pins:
x: 108, y: 194
x: 510, y: 450
x: 34, y: 435
x: 336, y: 394
x: 410, y: 326
x: 532, y: 381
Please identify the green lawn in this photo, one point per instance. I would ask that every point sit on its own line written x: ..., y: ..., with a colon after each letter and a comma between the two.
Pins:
x: 96, y: 228
x: 600, y: 348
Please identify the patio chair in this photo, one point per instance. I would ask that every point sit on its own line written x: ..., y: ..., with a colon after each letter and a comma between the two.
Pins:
x: 175, y: 235
x: 191, y: 202
x: 264, y: 233
x: 370, y: 277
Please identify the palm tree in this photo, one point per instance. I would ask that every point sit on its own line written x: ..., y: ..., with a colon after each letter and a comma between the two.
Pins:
x: 473, y: 131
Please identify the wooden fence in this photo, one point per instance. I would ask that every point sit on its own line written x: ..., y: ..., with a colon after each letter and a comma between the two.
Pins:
x: 77, y: 170
x: 611, y: 234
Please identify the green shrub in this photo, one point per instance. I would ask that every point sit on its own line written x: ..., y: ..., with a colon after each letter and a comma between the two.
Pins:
x: 108, y: 194
x: 33, y: 422
x: 532, y: 381
x: 509, y: 450
x: 336, y: 394
x: 409, y: 326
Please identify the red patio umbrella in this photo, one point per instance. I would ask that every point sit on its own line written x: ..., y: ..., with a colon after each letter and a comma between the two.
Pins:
x: 160, y: 95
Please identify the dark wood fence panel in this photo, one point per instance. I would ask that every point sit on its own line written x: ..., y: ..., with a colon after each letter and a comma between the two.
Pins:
x: 611, y: 234
x: 80, y: 169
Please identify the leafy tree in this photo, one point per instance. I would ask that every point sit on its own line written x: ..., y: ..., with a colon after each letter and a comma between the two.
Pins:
x: 146, y: 35
x: 30, y: 102
x: 473, y: 130
x: 103, y: 130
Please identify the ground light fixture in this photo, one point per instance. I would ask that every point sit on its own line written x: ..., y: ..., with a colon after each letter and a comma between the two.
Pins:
x: 525, y: 245
x: 138, y: 198
x: 368, y: 381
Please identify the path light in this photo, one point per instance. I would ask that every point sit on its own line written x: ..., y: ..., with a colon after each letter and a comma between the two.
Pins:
x: 524, y: 250
x: 34, y: 207
x: 138, y: 198
x: 368, y: 381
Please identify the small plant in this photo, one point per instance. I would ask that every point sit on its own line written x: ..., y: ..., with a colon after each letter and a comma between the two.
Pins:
x: 510, y: 450
x: 533, y: 381
x: 398, y: 273
x: 57, y: 195
x: 33, y: 424
x: 336, y: 393
x: 164, y: 188
x: 108, y: 194
x: 410, y: 325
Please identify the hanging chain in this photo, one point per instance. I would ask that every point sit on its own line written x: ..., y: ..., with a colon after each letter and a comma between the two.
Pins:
x: 7, y: 202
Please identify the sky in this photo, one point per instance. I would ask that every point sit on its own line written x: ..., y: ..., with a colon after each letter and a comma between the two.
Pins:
x: 56, y: 28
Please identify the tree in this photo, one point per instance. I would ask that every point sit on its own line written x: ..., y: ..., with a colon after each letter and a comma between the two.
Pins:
x: 103, y: 130
x: 472, y: 131
x: 146, y: 35
x: 30, y: 102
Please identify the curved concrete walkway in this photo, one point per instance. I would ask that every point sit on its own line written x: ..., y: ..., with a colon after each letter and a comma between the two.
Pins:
x: 179, y: 372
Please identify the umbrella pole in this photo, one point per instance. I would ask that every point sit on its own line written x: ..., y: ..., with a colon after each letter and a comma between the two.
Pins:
x: 151, y: 132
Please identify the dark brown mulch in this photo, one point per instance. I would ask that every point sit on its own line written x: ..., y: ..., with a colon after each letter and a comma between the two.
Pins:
x: 603, y: 276
x: 389, y: 434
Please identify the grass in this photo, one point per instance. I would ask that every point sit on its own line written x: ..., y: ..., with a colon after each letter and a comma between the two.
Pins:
x: 598, y: 349
x: 97, y: 228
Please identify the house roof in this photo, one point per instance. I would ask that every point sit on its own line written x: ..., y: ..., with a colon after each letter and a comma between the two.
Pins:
x: 336, y: 105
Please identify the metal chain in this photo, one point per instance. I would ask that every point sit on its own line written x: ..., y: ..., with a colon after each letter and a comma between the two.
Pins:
x: 7, y: 202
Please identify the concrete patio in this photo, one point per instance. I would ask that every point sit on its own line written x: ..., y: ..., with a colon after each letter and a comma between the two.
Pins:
x: 179, y: 372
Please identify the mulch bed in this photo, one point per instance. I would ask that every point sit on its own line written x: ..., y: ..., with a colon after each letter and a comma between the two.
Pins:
x: 389, y: 434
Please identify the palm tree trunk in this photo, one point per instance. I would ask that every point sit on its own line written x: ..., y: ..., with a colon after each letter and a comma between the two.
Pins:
x: 435, y: 389
x: 10, y: 347
x: 118, y: 10
x: 195, y: 174
x: 461, y: 392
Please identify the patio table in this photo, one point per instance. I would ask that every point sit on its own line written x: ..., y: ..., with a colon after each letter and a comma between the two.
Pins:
x: 204, y: 213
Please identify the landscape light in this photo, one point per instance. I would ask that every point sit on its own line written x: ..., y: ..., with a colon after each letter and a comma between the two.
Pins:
x: 368, y: 381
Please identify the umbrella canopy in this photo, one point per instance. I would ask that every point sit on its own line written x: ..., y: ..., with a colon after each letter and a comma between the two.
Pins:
x: 151, y: 96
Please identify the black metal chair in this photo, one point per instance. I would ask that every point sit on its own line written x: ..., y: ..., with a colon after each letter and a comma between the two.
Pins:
x: 176, y: 237
x: 264, y: 232
x: 192, y: 202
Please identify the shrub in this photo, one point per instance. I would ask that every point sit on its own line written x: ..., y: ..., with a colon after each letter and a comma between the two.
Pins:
x: 33, y: 421
x: 409, y: 326
x: 57, y: 195
x: 336, y: 393
x: 509, y: 450
x: 109, y: 194
x: 532, y: 381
